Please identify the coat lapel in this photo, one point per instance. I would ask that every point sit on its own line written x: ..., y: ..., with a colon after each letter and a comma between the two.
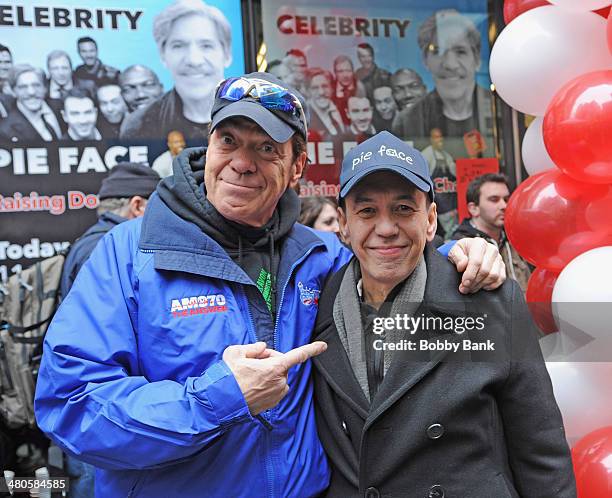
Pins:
x: 335, y: 366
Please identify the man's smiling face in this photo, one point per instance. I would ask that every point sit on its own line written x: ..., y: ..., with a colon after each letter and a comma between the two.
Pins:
x: 386, y: 221
x: 247, y: 172
x: 194, y: 55
x: 453, y: 63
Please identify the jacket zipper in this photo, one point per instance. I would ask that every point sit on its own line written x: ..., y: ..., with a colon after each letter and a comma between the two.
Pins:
x: 267, y: 435
x: 272, y: 448
x: 282, y: 299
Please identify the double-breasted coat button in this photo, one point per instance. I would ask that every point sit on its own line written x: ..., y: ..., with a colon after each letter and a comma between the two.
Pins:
x: 372, y: 492
x: 345, y: 428
x: 436, y: 491
x: 435, y: 431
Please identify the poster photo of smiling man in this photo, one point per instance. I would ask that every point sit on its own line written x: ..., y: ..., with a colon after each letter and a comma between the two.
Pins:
x: 194, y: 41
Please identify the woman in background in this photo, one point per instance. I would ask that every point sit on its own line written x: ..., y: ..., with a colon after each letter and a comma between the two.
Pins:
x: 319, y: 213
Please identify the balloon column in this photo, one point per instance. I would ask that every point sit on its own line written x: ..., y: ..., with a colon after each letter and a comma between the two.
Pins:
x: 560, y: 219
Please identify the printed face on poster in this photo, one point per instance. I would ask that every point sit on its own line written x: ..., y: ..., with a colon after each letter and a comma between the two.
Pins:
x: 418, y: 70
x: 85, y: 85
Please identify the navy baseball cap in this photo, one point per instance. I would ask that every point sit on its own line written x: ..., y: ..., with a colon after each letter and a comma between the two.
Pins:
x: 385, y: 152
x: 275, y: 106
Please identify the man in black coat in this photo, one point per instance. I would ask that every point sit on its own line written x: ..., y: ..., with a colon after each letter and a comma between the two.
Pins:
x: 423, y: 391
x: 123, y: 196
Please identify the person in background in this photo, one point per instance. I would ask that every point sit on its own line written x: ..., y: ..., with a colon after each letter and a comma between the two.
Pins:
x: 140, y: 86
x: 80, y: 114
x: 30, y: 119
x: 163, y: 163
x: 359, y: 112
x: 320, y: 213
x: 325, y: 119
x: 6, y: 64
x: 407, y: 87
x: 113, y: 110
x: 297, y: 64
x: 369, y: 73
x: 279, y: 69
x: 385, y: 108
x: 347, y: 85
x: 93, y: 69
x: 487, y: 197
x: 62, y: 79
x: 123, y: 196
x: 450, y: 44
x: 444, y: 176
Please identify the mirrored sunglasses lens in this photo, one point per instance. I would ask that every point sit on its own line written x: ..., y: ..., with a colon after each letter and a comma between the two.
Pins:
x: 278, y: 101
x: 234, y: 89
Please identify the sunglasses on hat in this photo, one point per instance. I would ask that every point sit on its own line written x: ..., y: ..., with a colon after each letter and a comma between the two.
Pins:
x: 270, y: 95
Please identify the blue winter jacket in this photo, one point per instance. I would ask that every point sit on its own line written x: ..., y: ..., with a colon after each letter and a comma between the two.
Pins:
x: 132, y: 378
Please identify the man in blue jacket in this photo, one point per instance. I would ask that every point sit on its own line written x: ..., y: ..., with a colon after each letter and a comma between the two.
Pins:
x: 169, y: 364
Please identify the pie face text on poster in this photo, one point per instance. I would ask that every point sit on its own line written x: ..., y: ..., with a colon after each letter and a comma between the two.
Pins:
x: 40, y: 161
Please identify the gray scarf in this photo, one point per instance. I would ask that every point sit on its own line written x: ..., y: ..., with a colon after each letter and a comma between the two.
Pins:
x: 347, y: 316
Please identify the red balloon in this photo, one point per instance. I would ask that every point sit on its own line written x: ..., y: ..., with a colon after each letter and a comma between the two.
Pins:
x: 514, y: 8
x: 539, y: 298
x: 591, y: 457
x: 551, y: 218
x: 609, y: 31
x: 577, y: 126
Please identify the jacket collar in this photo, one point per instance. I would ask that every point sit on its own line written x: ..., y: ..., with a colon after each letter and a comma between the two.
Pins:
x: 180, y: 245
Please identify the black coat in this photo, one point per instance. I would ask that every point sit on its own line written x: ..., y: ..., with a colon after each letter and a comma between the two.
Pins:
x: 452, y: 429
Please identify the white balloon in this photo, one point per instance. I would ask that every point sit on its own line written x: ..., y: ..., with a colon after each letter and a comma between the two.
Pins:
x: 581, y: 4
x: 535, y: 155
x: 582, y: 297
x: 582, y: 391
x: 541, y: 50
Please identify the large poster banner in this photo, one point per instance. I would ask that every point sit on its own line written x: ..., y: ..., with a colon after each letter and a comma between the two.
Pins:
x: 417, y: 69
x: 85, y: 85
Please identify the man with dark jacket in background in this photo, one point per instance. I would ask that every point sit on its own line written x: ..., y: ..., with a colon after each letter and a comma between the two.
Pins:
x: 423, y: 391
x: 123, y: 196
x: 487, y: 198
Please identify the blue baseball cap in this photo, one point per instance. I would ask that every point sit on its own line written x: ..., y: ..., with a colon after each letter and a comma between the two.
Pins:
x: 385, y: 152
